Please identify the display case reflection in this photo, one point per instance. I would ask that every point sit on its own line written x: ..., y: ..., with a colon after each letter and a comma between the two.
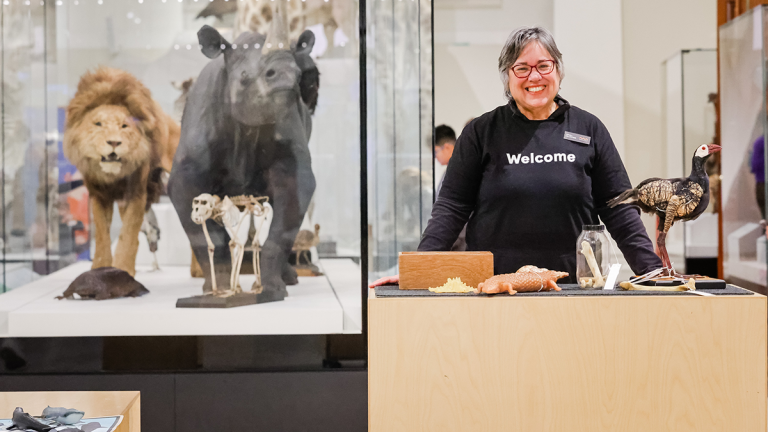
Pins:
x: 400, y: 129
x: 262, y: 101
x: 28, y: 175
x: 743, y: 126
x: 690, y: 96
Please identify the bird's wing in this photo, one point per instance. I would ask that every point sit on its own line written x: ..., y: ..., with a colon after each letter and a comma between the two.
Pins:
x: 656, y: 191
x: 691, y: 194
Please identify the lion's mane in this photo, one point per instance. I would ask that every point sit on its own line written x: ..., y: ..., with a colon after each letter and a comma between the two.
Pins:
x: 109, y: 86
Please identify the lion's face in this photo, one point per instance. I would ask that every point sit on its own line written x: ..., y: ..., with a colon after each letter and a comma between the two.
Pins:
x: 108, y: 143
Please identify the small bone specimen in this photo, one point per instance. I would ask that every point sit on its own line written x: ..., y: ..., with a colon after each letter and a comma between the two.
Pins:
x: 598, y: 280
x: 689, y: 286
x: 528, y: 278
x: 454, y: 285
x: 227, y: 212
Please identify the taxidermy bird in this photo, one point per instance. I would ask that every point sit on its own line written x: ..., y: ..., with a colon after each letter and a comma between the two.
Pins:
x: 672, y: 199
x: 305, y: 239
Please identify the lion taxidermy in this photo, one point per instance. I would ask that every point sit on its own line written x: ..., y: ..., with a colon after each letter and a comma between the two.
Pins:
x: 121, y: 141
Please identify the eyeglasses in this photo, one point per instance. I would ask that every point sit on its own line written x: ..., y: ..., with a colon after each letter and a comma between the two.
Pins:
x: 543, y: 68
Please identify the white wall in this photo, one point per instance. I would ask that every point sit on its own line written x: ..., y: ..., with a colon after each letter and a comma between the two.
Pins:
x: 467, y: 46
x: 653, y: 30
x: 588, y: 33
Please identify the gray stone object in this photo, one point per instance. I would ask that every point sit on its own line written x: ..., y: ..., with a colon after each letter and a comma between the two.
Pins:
x: 23, y: 421
x: 104, y: 283
x: 65, y: 416
x: 245, y: 131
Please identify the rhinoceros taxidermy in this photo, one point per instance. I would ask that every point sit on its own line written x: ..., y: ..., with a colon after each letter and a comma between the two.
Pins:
x: 245, y: 131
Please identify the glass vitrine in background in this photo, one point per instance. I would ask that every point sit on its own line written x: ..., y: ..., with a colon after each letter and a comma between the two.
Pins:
x: 400, y: 129
x: 49, y: 45
x: 29, y: 242
x: 743, y: 126
x: 690, y: 92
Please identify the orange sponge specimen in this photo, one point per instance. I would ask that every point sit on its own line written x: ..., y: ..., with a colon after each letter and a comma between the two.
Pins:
x: 528, y: 278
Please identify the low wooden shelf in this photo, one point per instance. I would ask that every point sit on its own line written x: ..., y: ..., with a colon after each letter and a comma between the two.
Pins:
x: 94, y: 403
x: 643, y: 363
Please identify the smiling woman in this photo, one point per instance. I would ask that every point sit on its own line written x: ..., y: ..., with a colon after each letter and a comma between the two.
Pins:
x: 525, y: 66
x: 527, y: 176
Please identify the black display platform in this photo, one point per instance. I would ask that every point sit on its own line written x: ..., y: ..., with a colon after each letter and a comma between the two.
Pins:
x: 240, y: 299
x: 569, y: 290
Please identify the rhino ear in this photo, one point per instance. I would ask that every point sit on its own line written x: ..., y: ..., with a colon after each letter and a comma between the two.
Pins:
x: 212, y: 42
x: 305, y: 43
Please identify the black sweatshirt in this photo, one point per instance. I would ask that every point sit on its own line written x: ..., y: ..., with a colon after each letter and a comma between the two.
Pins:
x: 530, y: 185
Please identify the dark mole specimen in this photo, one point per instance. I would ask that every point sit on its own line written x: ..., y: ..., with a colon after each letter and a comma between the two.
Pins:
x: 104, y: 283
x: 23, y: 421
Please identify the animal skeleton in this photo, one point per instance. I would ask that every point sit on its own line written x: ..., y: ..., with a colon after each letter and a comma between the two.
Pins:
x: 227, y: 212
x: 151, y: 229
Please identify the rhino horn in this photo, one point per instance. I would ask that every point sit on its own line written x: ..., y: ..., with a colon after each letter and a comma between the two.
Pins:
x: 277, y: 38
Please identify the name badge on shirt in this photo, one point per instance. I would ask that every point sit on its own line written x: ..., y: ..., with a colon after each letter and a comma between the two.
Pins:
x: 581, y: 139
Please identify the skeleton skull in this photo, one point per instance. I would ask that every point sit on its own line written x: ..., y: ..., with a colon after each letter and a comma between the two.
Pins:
x: 202, y: 207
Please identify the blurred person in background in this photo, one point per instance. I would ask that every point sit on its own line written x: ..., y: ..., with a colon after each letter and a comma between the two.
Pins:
x: 757, y: 167
x: 445, y: 140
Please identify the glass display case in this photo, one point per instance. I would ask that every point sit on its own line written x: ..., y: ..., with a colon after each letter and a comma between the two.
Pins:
x: 400, y: 129
x: 245, y: 120
x: 690, y: 94
x: 743, y: 128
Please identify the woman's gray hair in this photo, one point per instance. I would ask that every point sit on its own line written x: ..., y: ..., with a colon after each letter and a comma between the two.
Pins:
x: 516, y: 43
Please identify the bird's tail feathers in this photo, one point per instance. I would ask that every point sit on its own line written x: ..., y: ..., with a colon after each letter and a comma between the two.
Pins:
x: 627, y: 197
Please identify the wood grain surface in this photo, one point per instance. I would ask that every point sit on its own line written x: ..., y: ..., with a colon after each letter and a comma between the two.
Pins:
x: 95, y: 404
x: 422, y: 270
x: 567, y: 364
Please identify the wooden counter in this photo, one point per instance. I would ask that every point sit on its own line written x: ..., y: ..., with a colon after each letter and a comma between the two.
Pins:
x: 94, y: 403
x: 536, y: 364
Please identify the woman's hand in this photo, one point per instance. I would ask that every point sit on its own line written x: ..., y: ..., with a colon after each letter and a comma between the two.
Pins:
x: 385, y: 281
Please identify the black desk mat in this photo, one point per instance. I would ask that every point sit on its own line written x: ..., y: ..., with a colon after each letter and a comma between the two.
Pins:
x: 569, y: 290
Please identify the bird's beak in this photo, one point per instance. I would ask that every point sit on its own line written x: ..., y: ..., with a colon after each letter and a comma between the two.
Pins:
x: 713, y: 148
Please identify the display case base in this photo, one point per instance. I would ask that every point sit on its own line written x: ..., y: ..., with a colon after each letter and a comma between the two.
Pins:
x: 240, y: 299
x: 316, y: 305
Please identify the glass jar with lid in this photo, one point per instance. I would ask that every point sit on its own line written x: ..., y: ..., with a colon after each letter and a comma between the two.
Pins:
x: 593, y: 255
